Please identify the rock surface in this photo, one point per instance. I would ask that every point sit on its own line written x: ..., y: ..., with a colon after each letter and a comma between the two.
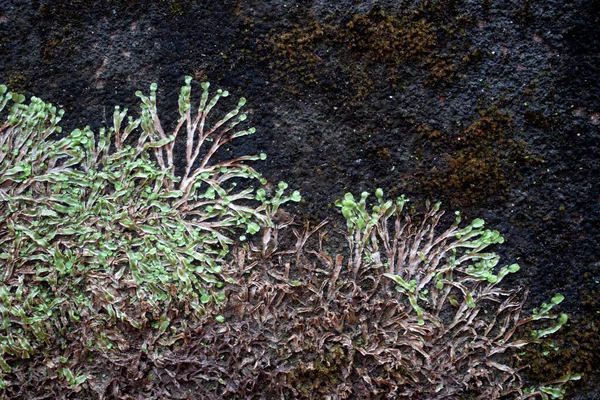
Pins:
x: 491, y: 107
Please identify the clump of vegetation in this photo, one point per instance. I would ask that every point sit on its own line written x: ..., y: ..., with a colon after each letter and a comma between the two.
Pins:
x: 477, y: 163
x: 448, y: 285
x: 401, y: 311
x: 574, y: 347
x: 98, y: 233
x: 128, y: 274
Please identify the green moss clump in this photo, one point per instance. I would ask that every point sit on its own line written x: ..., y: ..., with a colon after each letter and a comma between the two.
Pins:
x: 116, y: 269
x: 99, y: 236
x: 317, y: 377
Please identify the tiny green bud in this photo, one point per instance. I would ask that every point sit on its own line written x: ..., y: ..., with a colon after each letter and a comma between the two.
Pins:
x: 348, y: 203
x: 252, y: 228
x: 477, y: 223
x: 557, y: 298
x: 347, y: 212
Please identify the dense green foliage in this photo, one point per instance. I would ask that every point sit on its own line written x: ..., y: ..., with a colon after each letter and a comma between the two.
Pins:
x: 97, y: 228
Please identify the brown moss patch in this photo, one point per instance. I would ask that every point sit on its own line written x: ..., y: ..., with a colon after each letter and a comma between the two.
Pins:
x: 360, y: 51
x: 16, y: 81
x: 575, y: 347
x: 473, y: 165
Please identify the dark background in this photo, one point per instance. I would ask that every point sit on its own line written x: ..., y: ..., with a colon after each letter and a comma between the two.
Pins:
x: 492, y: 107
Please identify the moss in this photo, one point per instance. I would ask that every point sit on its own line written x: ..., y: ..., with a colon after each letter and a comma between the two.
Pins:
x: 354, y: 54
x: 319, y: 376
x: 474, y: 165
x: 88, y: 205
x: 539, y: 120
x: 445, y: 69
x: 16, y: 80
x: 573, y: 348
x: 177, y: 8
x: 362, y: 44
x: 384, y: 154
